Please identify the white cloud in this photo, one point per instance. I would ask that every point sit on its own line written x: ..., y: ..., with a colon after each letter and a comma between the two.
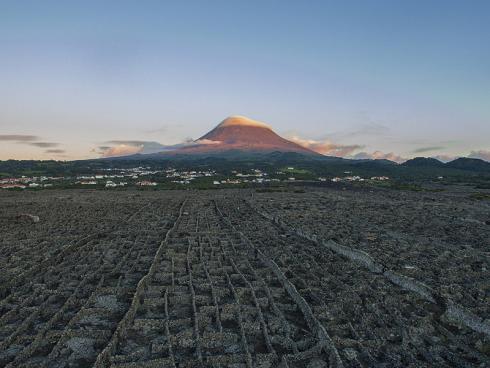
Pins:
x: 481, y: 154
x: 117, y: 148
x: 445, y: 158
x: 378, y: 155
x: 325, y: 147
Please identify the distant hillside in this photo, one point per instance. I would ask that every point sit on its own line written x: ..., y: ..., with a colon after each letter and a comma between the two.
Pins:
x: 236, y: 159
x: 468, y: 164
x: 423, y: 162
x: 473, y: 164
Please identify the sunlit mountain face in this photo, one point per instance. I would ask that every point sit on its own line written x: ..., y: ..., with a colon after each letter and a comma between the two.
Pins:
x: 244, y: 134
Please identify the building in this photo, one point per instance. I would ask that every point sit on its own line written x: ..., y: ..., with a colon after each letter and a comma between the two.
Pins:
x: 146, y: 183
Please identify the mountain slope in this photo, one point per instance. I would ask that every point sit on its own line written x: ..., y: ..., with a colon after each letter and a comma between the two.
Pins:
x: 238, y: 133
x: 423, y: 162
x: 464, y: 163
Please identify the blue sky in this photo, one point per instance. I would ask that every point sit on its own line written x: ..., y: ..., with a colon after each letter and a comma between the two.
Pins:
x: 405, y: 78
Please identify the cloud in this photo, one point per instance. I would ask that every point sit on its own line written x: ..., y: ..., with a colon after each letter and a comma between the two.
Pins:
x: 18, y: 137
x: 369, y: 129
x: 31, y: 140
x: 144, y: 146
x: 44, y: 144
x: 117, y: 148
x: 325, y: 147
x: 163, y: 129
x: 129, y: 147
x: 428, y: 149
x: 378, y: 155
x: 206, y: 141
x: 481, y: 154
x: 129, y: 142
x: 55, y: 151
x: 445, y: 158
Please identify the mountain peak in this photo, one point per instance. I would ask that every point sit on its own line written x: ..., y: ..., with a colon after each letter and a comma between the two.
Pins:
x: 238, y: 120
x: 239, y: 133
x: 423, y: 162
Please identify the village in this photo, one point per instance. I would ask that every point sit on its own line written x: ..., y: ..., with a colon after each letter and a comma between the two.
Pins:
x: 148, y: 177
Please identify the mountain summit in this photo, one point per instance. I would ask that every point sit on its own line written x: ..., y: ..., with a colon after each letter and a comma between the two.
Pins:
x: 240, y: 133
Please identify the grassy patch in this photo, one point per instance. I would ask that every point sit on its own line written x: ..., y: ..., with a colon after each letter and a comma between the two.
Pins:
x: 295, y: 170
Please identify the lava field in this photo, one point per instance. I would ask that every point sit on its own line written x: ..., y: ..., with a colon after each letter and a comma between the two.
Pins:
x: 241, y: 278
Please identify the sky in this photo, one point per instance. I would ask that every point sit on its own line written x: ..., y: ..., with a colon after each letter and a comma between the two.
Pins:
x: 381, y: 79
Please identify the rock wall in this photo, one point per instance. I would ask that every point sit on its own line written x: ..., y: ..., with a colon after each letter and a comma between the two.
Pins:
x: 453, y: 312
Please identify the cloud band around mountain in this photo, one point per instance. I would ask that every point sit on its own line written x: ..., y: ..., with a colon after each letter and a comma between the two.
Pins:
x: 326, y: 147
x: 378, y: 155
x: 117, y: 148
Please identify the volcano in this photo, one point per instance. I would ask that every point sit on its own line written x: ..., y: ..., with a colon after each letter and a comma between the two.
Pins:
x: 239, y: 133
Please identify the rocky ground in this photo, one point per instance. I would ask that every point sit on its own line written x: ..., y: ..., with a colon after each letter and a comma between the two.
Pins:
x: 243, y: 279
x: 442, y: 239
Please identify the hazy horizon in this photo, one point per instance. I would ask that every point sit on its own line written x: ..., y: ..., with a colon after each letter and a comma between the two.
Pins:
x: 354, y: 79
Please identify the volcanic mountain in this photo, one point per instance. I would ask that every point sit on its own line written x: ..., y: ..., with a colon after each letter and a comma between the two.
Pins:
x: 238, y: 133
